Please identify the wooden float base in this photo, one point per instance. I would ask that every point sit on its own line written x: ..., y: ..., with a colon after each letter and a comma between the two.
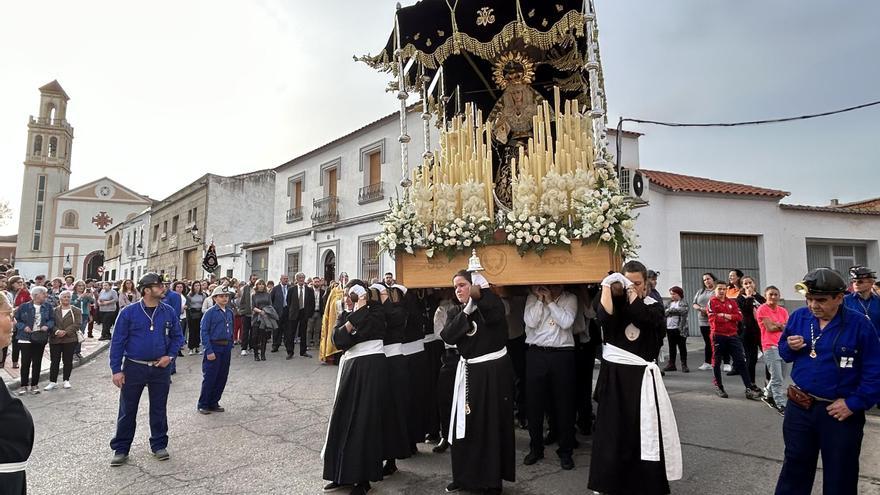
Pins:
x: 587, y: 263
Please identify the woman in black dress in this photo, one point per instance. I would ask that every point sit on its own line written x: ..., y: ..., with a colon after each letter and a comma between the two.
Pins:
x: 632, y: 322
x: 483, y: 452
x: 396, y: 444
x: 260, y: 301
x: 353, y: 450
x: 748, y: 301
x: 16, y: 424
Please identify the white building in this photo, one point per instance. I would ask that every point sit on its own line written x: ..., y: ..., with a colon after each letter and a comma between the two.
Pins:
x: 61, y: 231
x: 134, y: 238
x: 329, y: 202
x: 695, y: 225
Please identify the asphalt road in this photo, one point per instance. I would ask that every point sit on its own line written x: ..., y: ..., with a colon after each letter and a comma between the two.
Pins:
x: 270, y: 438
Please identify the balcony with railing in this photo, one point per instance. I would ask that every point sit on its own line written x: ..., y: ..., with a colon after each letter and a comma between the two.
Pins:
x: 370, y: 193
x: 294, y: 214
x: 325, y: 210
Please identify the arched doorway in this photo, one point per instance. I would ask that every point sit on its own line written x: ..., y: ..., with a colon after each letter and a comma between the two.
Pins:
x: 91, y: 263
x: 329, y: 265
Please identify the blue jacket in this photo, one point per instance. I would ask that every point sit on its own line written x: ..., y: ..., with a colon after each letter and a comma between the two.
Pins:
x: 174, y: 300
x: 869, y: 308
x: 216, y: 325
x: 24, y: 317
x: 847, y: 362
x: 132, y: 337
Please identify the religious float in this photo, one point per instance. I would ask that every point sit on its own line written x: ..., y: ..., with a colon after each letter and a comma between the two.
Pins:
x: 521, y: 174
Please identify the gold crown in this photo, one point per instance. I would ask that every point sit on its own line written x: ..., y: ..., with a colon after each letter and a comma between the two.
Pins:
x: 513, y: 67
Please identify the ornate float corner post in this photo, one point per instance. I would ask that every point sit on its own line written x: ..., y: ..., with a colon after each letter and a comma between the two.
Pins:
x: 402, y: 96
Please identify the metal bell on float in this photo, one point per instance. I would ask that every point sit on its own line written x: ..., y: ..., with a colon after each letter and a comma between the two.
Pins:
x: 474, y: 264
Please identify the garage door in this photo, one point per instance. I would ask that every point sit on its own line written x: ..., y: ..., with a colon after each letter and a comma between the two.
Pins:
x: 701, y: 253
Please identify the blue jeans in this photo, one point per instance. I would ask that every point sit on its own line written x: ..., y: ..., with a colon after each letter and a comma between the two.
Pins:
x: 779, y: 369
x: 214, y: 375
x: 158, y: 383
x: 806, y: 433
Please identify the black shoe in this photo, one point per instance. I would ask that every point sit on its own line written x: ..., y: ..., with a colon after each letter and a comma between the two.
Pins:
x: 118, y: 459
x: 179, y: 353
x: 332, y: 487
x: 161, y: 455
x: 752, y: 394
x: 204, y: 411
x: 389, y: 468
x: 566, y: 462
x: 780, y: 410
x: 432, y: 438
x: 289, y: 357
x: 721, y: 393
x: 256, y: 356
x: 685, y: 369
x: 360, y: 489
x: 441, y: 447
x: 306, y: 355
x: 263, y: 357
x: 533, y: 457
x: 453, y: 487
x: 492, y: 491
x: 550, y: 439
x: 218, y: 408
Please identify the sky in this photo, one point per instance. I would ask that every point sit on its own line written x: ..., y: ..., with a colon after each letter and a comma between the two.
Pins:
x: 165, y: 91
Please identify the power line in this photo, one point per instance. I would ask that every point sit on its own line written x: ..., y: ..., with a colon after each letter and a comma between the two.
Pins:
x: 749, y: 122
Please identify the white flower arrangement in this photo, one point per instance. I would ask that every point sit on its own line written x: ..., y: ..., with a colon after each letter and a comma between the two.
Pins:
x: 423, y: 205
x: 444, y: 202
x: 525, y: 195
x: 554, y: 196
x: 605, y: 215
x: 473, y: 200
x: 531, y: 232
x: 401, y: 229
x: 461, y: 233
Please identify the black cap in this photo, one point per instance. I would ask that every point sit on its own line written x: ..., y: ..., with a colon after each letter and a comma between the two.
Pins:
x: 147, y: 280
x: 822, y: 281
x: 857, y: 272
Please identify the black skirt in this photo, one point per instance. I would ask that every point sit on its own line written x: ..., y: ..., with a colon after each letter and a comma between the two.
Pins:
x: 417, y: 366
x: 354, y: 449
x: 487, y: 454
x: 395, y: 410
x: 616, y: 466
x: 434, y: 353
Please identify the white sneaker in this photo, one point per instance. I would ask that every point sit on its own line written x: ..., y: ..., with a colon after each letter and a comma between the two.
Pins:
x: 67, y: 384
x: 244, y: 353
x: 50, y: 386
x: 23, y: 390
x: 726, y: 368
x: 705, y: 367
x: 191, y: 352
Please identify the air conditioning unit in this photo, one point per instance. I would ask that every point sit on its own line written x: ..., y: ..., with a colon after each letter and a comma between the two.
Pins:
x: 634, y: 183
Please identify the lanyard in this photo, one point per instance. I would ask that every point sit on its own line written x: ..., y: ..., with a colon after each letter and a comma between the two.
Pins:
x: 144, y: 309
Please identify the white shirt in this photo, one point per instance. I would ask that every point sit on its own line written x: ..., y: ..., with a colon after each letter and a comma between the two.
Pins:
x: 64, y: 312
x: 317, y: 299
x: 38, y: 317
x: 550, y: 325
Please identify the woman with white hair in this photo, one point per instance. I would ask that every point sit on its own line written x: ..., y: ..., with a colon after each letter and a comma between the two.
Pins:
x: 63, y: 340
x: 34, y: 321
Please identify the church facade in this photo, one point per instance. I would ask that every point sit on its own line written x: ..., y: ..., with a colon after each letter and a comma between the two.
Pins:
x: 61, y: 231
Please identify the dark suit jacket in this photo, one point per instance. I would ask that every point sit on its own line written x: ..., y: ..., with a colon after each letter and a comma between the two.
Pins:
x: 294, y: 311
x: 277, y: 297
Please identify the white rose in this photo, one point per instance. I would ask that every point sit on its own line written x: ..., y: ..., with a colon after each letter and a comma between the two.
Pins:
x: 519, y: 242
x: 392, y: 228
x: 471, y: 226
x: 546, y: 240
x: 552, y: 225
x: 542, y: 231
x: 627, y: 224
x: 458, y: 231
x: 467, y: 242
x: 600, y: 219
x: 552, y: 233
x: 510, y: 216
x: 482, y: 228
x: 429, y: 252
x: 511, y: 237
x: 606, y: 237
x: 431, y: 236
x: 478, y: 239
x: 536, y: 238
x: 605, y: 205
x: 518, y: 225
x: 392, y: 237
x: 522, y: 217
x: 605, y: 225
x: 392, y: 246
x: 409, y: 249
x: 616, y: 200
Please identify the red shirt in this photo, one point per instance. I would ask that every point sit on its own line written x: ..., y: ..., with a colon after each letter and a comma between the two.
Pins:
x: 719, y: 324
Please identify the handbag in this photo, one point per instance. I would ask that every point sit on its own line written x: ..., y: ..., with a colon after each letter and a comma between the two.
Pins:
x: 39, y: 337
x: 80, y: 337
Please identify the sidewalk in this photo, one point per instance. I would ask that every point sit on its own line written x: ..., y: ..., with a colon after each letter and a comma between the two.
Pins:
x: 91, y: 348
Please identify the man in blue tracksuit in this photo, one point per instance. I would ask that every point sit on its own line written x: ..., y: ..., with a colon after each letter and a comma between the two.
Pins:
x: 216, y: 333
x: 144, y: 344
x: 836, y: 371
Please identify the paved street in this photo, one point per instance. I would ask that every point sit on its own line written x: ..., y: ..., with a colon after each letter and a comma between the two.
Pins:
x: 270, y: 438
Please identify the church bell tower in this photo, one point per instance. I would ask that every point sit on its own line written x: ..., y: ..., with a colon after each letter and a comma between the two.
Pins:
x: 46, y: 174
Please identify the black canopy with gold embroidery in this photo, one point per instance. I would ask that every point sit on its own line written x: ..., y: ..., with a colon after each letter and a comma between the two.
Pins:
x: 467, y: 37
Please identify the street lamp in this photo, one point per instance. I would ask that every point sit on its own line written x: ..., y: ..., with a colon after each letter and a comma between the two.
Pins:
x: 195, y: 234
x: 140, y: 249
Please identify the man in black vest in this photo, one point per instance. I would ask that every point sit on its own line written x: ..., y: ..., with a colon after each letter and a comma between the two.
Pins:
x: 300, y: 306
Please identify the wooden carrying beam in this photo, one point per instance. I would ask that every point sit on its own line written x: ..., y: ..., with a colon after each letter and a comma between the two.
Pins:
x: 588, y: 263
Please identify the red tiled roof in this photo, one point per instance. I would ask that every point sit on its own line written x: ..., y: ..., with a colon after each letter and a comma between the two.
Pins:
x: 866, y: 204
x: 830, y: 209
x: 688, y: 183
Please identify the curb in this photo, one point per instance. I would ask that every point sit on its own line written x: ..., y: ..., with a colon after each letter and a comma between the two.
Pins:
x: 44, y: 374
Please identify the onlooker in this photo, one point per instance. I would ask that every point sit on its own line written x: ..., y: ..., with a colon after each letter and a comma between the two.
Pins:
x: 748, y: 301
x: 127, y: 294
x: 772, y: 319
x: 265, y: 319
x: 107, y: 307
x: 245, y: 309
x: 84, y: 302
x: 734, y: 285
x: 677, y: 329
x: 34, y: 321
x: 55, y: 288
x: 194, y: 302
x: 724, y: 317
x: 69, y: 282
x: 701, y: 304
x: 18, y: 296
x: 314, y: 323
x: 63, y: 340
